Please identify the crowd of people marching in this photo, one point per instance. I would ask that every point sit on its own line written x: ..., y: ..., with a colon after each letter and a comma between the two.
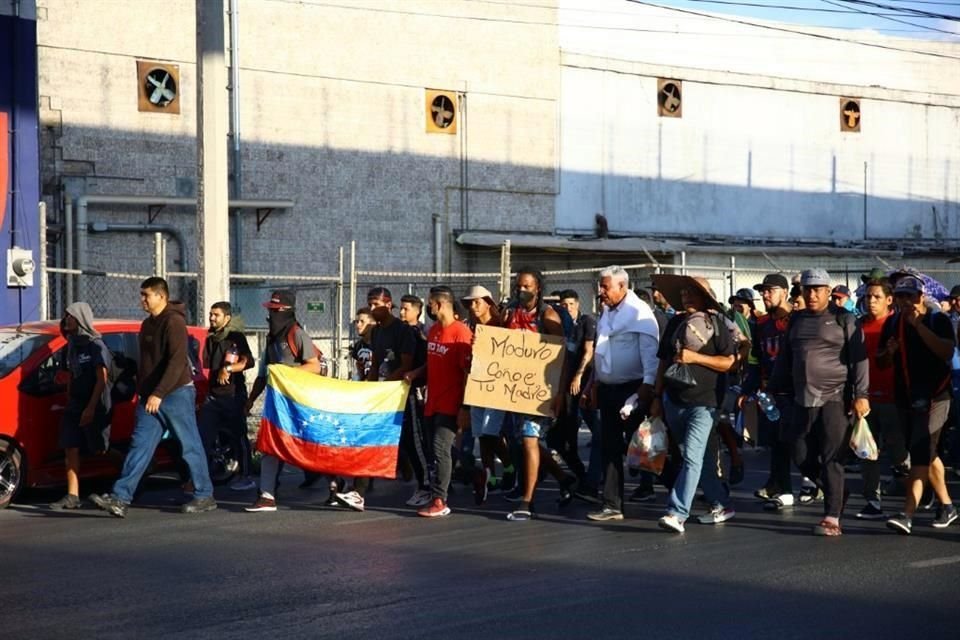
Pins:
x: 808, y: 363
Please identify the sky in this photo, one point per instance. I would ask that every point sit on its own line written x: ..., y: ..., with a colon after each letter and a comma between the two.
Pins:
x: 839, y: 14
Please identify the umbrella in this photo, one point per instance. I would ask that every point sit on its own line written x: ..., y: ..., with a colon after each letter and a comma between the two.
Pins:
x: 931, y: 286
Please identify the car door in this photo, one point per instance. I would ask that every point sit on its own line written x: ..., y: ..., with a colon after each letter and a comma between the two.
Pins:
x: 43, y: 399
x: 126, y: 357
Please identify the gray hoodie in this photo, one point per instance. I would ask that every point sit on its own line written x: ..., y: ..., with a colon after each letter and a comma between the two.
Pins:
x: 83, y: 314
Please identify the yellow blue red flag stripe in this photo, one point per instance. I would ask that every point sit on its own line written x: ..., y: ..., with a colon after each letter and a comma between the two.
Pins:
x: 331, y: 426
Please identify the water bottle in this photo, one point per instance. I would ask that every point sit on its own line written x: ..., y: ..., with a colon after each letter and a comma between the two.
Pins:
x: 768, y: 406
x: 233, y: 354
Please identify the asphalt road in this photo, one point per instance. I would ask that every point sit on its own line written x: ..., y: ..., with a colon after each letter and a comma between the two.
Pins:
x: 309, y: 571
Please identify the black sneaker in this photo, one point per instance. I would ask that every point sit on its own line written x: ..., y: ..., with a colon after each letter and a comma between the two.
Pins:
x: 765, y: 493
x: 68, y: 501
x: 901, y: 524
x: 109, y: 503
x: 643, y: 494
x: 945, y: 515
x: 199, y: 505
x: 810, y: 494
x: 872, y: 511
x: 567, y: 485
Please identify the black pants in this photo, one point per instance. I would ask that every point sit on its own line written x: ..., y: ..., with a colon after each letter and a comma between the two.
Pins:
x: 218, y: 411
x: 413, y: 443
x: 778, y: 437
x: 616, y: 433
x: 444, y: 429
x: 564, y: 436
x: 820, y: 437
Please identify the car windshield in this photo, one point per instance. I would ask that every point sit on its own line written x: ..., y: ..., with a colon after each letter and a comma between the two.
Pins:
x: 16, y: 346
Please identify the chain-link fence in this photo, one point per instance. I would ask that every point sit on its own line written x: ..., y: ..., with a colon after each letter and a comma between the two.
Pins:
x: 326, y: 304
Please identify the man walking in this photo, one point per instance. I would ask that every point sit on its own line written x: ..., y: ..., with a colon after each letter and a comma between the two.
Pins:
x: 85, y: 426
x: 227, y: 355
x: 287, y: 344
x: 625, y: 364
x: 919, y: 345
x: 824, y: 363
x: 167, y: 402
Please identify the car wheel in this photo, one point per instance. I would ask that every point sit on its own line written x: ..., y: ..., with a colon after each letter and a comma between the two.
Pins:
x: 224, y: 457
x: 11, y: 472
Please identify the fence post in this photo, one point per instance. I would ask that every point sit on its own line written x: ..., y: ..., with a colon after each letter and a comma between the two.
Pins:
x: 733, y: 276
x: 353, y: 277
x: 338, y: 331
x: 42, y: 259
x: 159, y: 256
x: 505, y: 270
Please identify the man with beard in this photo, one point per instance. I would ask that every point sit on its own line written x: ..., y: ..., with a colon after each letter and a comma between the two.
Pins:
x: 167, y: 403
x: 287, y: 344
x: 227, y: 355
x: 86, y: 421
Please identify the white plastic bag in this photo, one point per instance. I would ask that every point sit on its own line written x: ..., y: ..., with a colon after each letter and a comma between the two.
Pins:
x: 648, y: 446
x: 862, y: 442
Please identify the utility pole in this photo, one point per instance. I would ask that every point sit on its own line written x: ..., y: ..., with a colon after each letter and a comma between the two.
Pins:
x: 213, y: 227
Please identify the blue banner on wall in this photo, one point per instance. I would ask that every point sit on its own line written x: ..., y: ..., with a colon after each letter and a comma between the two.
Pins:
x: 19, y: 161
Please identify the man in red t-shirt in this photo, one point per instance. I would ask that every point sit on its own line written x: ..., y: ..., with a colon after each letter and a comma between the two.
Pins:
x: 883, y: 419
x: 449, y: 344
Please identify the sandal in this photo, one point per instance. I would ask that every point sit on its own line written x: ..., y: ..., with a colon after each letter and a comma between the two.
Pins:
x: 520, y: 515
x: 825, y: 528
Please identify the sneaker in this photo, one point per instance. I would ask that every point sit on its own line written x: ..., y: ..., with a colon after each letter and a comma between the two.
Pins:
x: 199, y: 505
x: 436, y: 509
x: 567, y: 485
x: 520, y: 515
x: 945, y: 515
x: 670, y: 522
x: 514, y: 495
x: 604, y: 515
x: 717, y: 515
x: 736, y: 474
x: 901, y: 524
x: 810, y: 494
x: 420, y: 498
x: 109, y: 503
x: 350, y: 499
x: 68, y: 501
x: 764, y: 493
x: 782, y: 501
x: 586, y: 493
x: 872, y: 511
x: 643, y: 494
x: 243, y: 484
x: 508, y: 481
x: 262, y: 504
x: 481, y: 485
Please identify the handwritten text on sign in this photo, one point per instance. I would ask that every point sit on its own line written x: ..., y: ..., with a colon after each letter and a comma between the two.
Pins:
x: 514, y: 370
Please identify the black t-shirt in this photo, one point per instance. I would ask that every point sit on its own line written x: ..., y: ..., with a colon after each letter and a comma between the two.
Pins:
x: 84, y: 357
x: 219, y: 353
x: 420, y: 345
x: 926, y: 377
x: 390, y: 343
x: 704, y: 394
x: 586, y: 331
x: 362, y: 353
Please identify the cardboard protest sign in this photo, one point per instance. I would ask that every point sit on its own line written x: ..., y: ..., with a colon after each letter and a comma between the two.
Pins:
x: 514, y: 370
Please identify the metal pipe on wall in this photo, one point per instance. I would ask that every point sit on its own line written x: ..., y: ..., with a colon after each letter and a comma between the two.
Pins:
x: 437, y: 244
x: 111, y: 227
x: 42, y: 271
x: 234, y: 89
x: 68, y: 249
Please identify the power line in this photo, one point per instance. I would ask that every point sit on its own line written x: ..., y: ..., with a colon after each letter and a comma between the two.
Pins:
x: 907, y: 10
x: 787, y: 7
x: 821, y: 36
x: 885, y: 17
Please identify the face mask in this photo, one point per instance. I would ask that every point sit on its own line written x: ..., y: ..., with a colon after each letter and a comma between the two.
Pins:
x: 525, y: 297
x: 430, y: 314
x: 279, y: 321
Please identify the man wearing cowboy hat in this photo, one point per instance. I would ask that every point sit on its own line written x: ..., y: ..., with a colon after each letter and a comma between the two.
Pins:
x: 697, y: 338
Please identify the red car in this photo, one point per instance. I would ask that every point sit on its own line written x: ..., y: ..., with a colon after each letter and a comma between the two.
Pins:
x: 33, y: 398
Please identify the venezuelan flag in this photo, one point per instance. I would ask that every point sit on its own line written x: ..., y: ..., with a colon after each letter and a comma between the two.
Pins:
x: 331, y: 426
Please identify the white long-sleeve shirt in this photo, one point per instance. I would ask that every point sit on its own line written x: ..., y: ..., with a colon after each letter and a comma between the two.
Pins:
x: 627, y: 342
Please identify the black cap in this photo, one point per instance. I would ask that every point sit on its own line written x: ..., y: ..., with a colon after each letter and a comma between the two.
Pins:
x: 955, y: 292
x: 281, y: 299
x: 745, y: 295
x: 772, y: 280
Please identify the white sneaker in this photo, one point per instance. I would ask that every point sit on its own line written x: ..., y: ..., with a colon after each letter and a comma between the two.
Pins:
x: 716, y: 515
x: 670, y: 522
x: 243, y: 484
x: 350, y: 499
x: 420, y: 498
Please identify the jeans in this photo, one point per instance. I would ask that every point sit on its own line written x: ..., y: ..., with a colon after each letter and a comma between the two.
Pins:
x: 691, y: 427
x: 177, y: 413
x: 444, y: 428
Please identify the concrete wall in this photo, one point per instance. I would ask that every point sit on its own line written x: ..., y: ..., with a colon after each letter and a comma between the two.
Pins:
x: 332, y: 117
x: 758, y: 151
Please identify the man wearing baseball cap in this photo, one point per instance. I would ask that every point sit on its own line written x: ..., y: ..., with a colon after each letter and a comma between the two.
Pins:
x: 288, y: 344
x: 919, y: 345
x: 840, y: 297
x: 824, y: 364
